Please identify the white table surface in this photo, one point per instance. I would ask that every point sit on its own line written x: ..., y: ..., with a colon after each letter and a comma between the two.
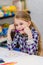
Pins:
x: 20, y: 58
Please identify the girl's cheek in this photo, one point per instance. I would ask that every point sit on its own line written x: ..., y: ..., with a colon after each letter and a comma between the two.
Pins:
x: 24, y: 26
x: 16, y: 27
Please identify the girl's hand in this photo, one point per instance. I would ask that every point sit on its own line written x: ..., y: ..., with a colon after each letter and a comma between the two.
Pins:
x: 28, y: 32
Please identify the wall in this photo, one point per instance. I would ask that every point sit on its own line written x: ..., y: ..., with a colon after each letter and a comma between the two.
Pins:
x: 36, y: 8
x: 5, y: 2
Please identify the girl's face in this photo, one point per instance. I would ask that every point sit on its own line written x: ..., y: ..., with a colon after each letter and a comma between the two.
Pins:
x: 20, y: 25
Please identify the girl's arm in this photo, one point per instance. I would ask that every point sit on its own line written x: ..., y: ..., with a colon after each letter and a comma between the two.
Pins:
x: 36, y: 37
x: 9, y: 40
x: 32, y: 44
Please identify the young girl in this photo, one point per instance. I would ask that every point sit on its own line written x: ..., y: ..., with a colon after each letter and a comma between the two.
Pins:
x: 23, y: 35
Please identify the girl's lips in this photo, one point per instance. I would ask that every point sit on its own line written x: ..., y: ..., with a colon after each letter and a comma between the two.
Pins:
x: 21, y: 29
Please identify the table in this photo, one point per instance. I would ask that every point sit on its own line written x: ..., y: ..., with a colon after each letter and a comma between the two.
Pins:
x: 19, y: 57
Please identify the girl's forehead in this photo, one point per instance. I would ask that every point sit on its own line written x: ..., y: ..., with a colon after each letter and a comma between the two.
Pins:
x: 17, y: 21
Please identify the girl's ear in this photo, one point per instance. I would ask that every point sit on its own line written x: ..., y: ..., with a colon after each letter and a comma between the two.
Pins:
x: 29, y: 23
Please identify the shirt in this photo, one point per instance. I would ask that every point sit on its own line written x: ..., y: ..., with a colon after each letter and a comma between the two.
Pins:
x: 25, y: 45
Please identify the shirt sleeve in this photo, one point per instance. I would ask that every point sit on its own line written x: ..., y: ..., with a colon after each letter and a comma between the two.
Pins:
x: 36, y: 37
x: 13, y: 44
x: 9, y: 40
x: 32, y: 44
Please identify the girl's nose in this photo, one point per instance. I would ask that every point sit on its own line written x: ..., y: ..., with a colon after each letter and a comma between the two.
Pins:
x: 19, y: 26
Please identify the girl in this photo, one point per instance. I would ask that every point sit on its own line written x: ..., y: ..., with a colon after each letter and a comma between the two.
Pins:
x: 23, y: 35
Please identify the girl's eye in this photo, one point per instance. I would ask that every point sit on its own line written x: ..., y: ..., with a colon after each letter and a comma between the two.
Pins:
x: 21, y: 23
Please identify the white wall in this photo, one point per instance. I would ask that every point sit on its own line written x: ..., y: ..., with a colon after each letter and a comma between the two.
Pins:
x: 36, y: 8
x: 5, y: 2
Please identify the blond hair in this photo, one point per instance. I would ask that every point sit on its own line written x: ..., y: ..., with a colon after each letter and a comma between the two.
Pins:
x: 23, y: 15
x: 26, y: 16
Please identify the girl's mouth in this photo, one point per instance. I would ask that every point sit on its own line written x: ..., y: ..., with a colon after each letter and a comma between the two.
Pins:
x: 21, y: 29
